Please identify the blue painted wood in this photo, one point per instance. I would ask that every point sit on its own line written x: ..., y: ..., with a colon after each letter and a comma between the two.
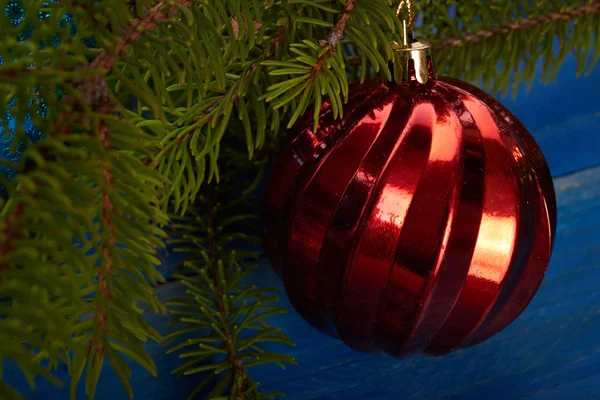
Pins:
x: 551, y: 352
x: 564, y: 117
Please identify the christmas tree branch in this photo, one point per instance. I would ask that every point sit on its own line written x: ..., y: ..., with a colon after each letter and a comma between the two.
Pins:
x: 89, y: 104
x: 94, y: 93
x: 570, y: 14
x: 318, y: 70
x: 212, y: 109
x: 109, y: 242
x: 238, y: 375
x: 120, y: 272
x: 134, y: 32
x: 337, y: 33
x: 217, y: 298
x: 518, y: 36
x: 9, y: 234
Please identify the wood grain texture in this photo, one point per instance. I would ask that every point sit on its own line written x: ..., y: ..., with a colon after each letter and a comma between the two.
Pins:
x: 551, y: 352
x: 563, y: 116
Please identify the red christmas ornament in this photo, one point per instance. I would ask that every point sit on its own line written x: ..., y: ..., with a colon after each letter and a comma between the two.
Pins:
x: 421, y: 222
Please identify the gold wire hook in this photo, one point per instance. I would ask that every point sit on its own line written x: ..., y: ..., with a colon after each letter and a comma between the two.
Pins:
x: 406, y: 13
x: 412, y: 57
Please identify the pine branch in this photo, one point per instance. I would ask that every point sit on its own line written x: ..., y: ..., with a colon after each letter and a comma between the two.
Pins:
x: 135, y: 31
x: 513, y: 35
x: 211, y: 111
x: 105, y: 61
x: 85, y: 121
x: 94, y: 93
x: 217, y: 299
x: 209, y: 119
x: 318, y: 71
x: 9, y: 234
x: 489, y: 42
x: 89, y: 100
x: 337, y: 33
x: 238, y: 375
x: 109, y: 242
x: 578, y: 11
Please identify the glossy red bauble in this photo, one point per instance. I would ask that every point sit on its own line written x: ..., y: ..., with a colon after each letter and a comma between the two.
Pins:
x: 420, y: 222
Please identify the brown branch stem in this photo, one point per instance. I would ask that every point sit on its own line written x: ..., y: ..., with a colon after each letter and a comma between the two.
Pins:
x: 9, y: 234
x: 134, y: 33
x: 109, y: 242
x: 236, y: 364
x: 337, y: 33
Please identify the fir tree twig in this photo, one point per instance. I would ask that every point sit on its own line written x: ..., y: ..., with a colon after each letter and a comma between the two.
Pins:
x: 519, y: 25
x: 94, y: 93
x: 135, y: 31
x: 238, y: 373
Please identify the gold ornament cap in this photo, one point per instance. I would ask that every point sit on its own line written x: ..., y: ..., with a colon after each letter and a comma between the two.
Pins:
x: 412, y: 58
x: 413, y: 62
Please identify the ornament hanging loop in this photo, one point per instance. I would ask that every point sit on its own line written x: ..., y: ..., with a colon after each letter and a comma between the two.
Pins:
x: 412, y: 60
x: 407, y: 14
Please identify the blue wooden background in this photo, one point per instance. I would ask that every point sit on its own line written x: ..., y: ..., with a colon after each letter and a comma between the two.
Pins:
x: 551, y: 352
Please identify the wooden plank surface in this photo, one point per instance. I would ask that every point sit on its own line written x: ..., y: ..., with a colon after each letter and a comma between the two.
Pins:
x: 564, y: 118
x: 551, y: 352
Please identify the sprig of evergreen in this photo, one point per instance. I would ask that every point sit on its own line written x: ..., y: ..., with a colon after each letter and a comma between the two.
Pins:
x: 504, y: 55
x: 82, y: 224
x: 159, y: 123
x: 221, y: 321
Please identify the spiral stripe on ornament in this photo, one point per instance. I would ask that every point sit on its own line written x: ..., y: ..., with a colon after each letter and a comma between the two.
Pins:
x: 446, y: 259
x: 287, y: 167
x: 311, y: 149
x: 346, y: 227
x: 312, y: 210
x: 540, y: 230
x: 362, y: 288
x: 497, y: 237
x: 526, y: 140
